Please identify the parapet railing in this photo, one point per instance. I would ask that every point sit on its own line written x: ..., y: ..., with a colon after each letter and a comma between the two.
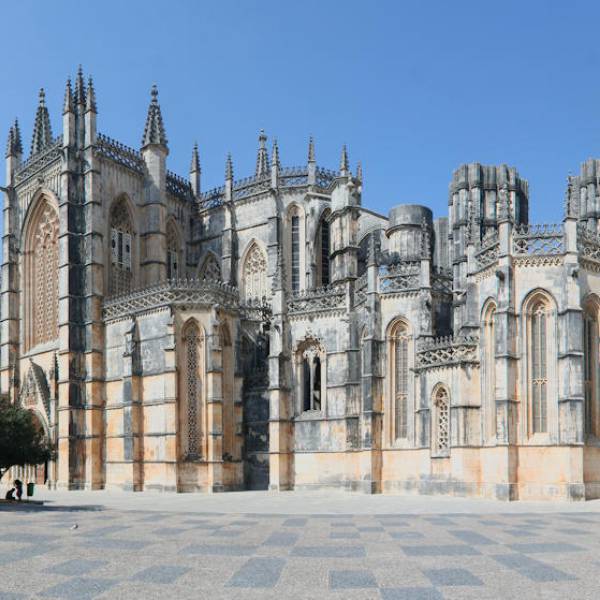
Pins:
x: 179, y: 292
x: 488, y: 251
x: 39, y: 161
x: 400, y: 277
x: 538, y: 240
x: 119, y: 153
x: 329, y: 297
x: 588, y: 244
x: 447, y: 351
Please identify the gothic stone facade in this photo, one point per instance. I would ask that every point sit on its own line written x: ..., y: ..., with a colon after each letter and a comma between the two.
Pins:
x: 274, y: 333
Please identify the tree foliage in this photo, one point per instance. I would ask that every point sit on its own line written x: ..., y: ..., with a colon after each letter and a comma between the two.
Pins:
x: 22, y: 442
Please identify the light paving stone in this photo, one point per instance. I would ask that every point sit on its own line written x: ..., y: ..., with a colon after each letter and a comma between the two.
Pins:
x: 329, y: 551
x: 411, y: 593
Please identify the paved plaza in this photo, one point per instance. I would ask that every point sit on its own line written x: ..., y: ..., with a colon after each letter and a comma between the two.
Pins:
x: 253, y: 545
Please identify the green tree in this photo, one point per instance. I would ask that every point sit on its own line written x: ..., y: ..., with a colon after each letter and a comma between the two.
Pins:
x: 22, y: 442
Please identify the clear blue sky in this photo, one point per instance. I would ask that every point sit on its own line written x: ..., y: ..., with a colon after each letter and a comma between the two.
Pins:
x: 413, y: 88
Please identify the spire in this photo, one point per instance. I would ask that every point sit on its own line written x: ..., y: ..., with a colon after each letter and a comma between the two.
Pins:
x: 359, y: 172
x: 195, y: 165
x: 262, y: 158
x: 10, y: 142
x: 42, y: 131
x: 154, y: 132
x: 79, y: 88
x: 275, y: 154
x: 91, y: 97
x: 68, y: 103
x: 311, y: 149
x: 344, y: 168
x: 229, y: 168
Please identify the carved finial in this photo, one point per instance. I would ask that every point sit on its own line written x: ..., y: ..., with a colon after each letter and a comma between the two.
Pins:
x: 80, y: 96
x: 10, y: 142
x: 18, y: 144
x: 359, y: 172
x: 195, y: 164
x: 504, y: 205
x: 372, y: 250
x: 154, y: 132
x: 229, y: 168
x: 42, y: 131
x: 570, y: 199
x: 311, y: 149
x: 90, y: 105
x: 275, y: 154
x: 344, y: 166
x: 262, y: 158
x: 68, y: 102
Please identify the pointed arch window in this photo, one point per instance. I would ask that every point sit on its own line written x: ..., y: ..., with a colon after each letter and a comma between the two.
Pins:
x: 489, y: 372
x: 441, y: 423
x: 254, y: 275
x: 121, y: 239
x: 324, y: 252
x: 173, y: 253
x: 590, y: 364
x: 192, y: 414
x: 41, y: 275
x: 538, y: 368
x: 399, y: 353
x: 310, y: 368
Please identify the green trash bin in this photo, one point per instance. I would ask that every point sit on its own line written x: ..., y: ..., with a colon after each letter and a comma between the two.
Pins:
x: 30, y: 488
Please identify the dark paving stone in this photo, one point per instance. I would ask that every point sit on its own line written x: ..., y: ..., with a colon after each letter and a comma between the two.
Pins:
x: 344, y: 535
x: 258, y: 573
x: 521, y: 533
x: 168, y: 531
x: 577, y: 532
x: 410, y: 593
x: 79, y: 588
x: 294, y: 523
x: 12, y: 596
x: 369, y: 529
x: 281, y: 538
x: 116, y: 544
x: 34, y: 538
x: 531, y: 568
x: 77, y: 566
x: 160, y: 574
x: 219, y: 549
x: 491, y: 523
x: 544, y: 547
x: 101, y: 531
x: 343, y: 580
x: 25, y: 553
x: 229, y: 533
x: 472, y: 537
x: 329, y: 551
x: 244, y: 523
x: 451, y: 577
x: 441, y: 550
x: 390, y: 523
x: 343, y: 524
x: 406, y: 535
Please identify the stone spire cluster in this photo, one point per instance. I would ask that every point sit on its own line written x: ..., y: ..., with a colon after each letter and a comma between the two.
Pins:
x: 154, y: 131
x: 42, y: 130
x: 344, y: 163
x: 229, y: 168
x: 262, y: 158
x: 311, y: 149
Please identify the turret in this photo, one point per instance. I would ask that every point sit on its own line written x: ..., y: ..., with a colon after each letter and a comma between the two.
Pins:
x: 312, y: 163
x: 275, y: 165
x: 154, y: 152
x: 405, y: 230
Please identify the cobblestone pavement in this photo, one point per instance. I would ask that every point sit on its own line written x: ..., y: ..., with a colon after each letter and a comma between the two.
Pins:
x: 117, y: 553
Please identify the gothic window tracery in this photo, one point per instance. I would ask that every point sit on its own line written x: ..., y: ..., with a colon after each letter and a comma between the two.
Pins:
x: 441, y: 423
x: 121, y: 239
x: 324, y: 252
x: 192, y: 406
x: 538, y: 369
x: 399, y: 352
x: 255, y: 275
x: 41, y: 266
x: 295, y: 253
